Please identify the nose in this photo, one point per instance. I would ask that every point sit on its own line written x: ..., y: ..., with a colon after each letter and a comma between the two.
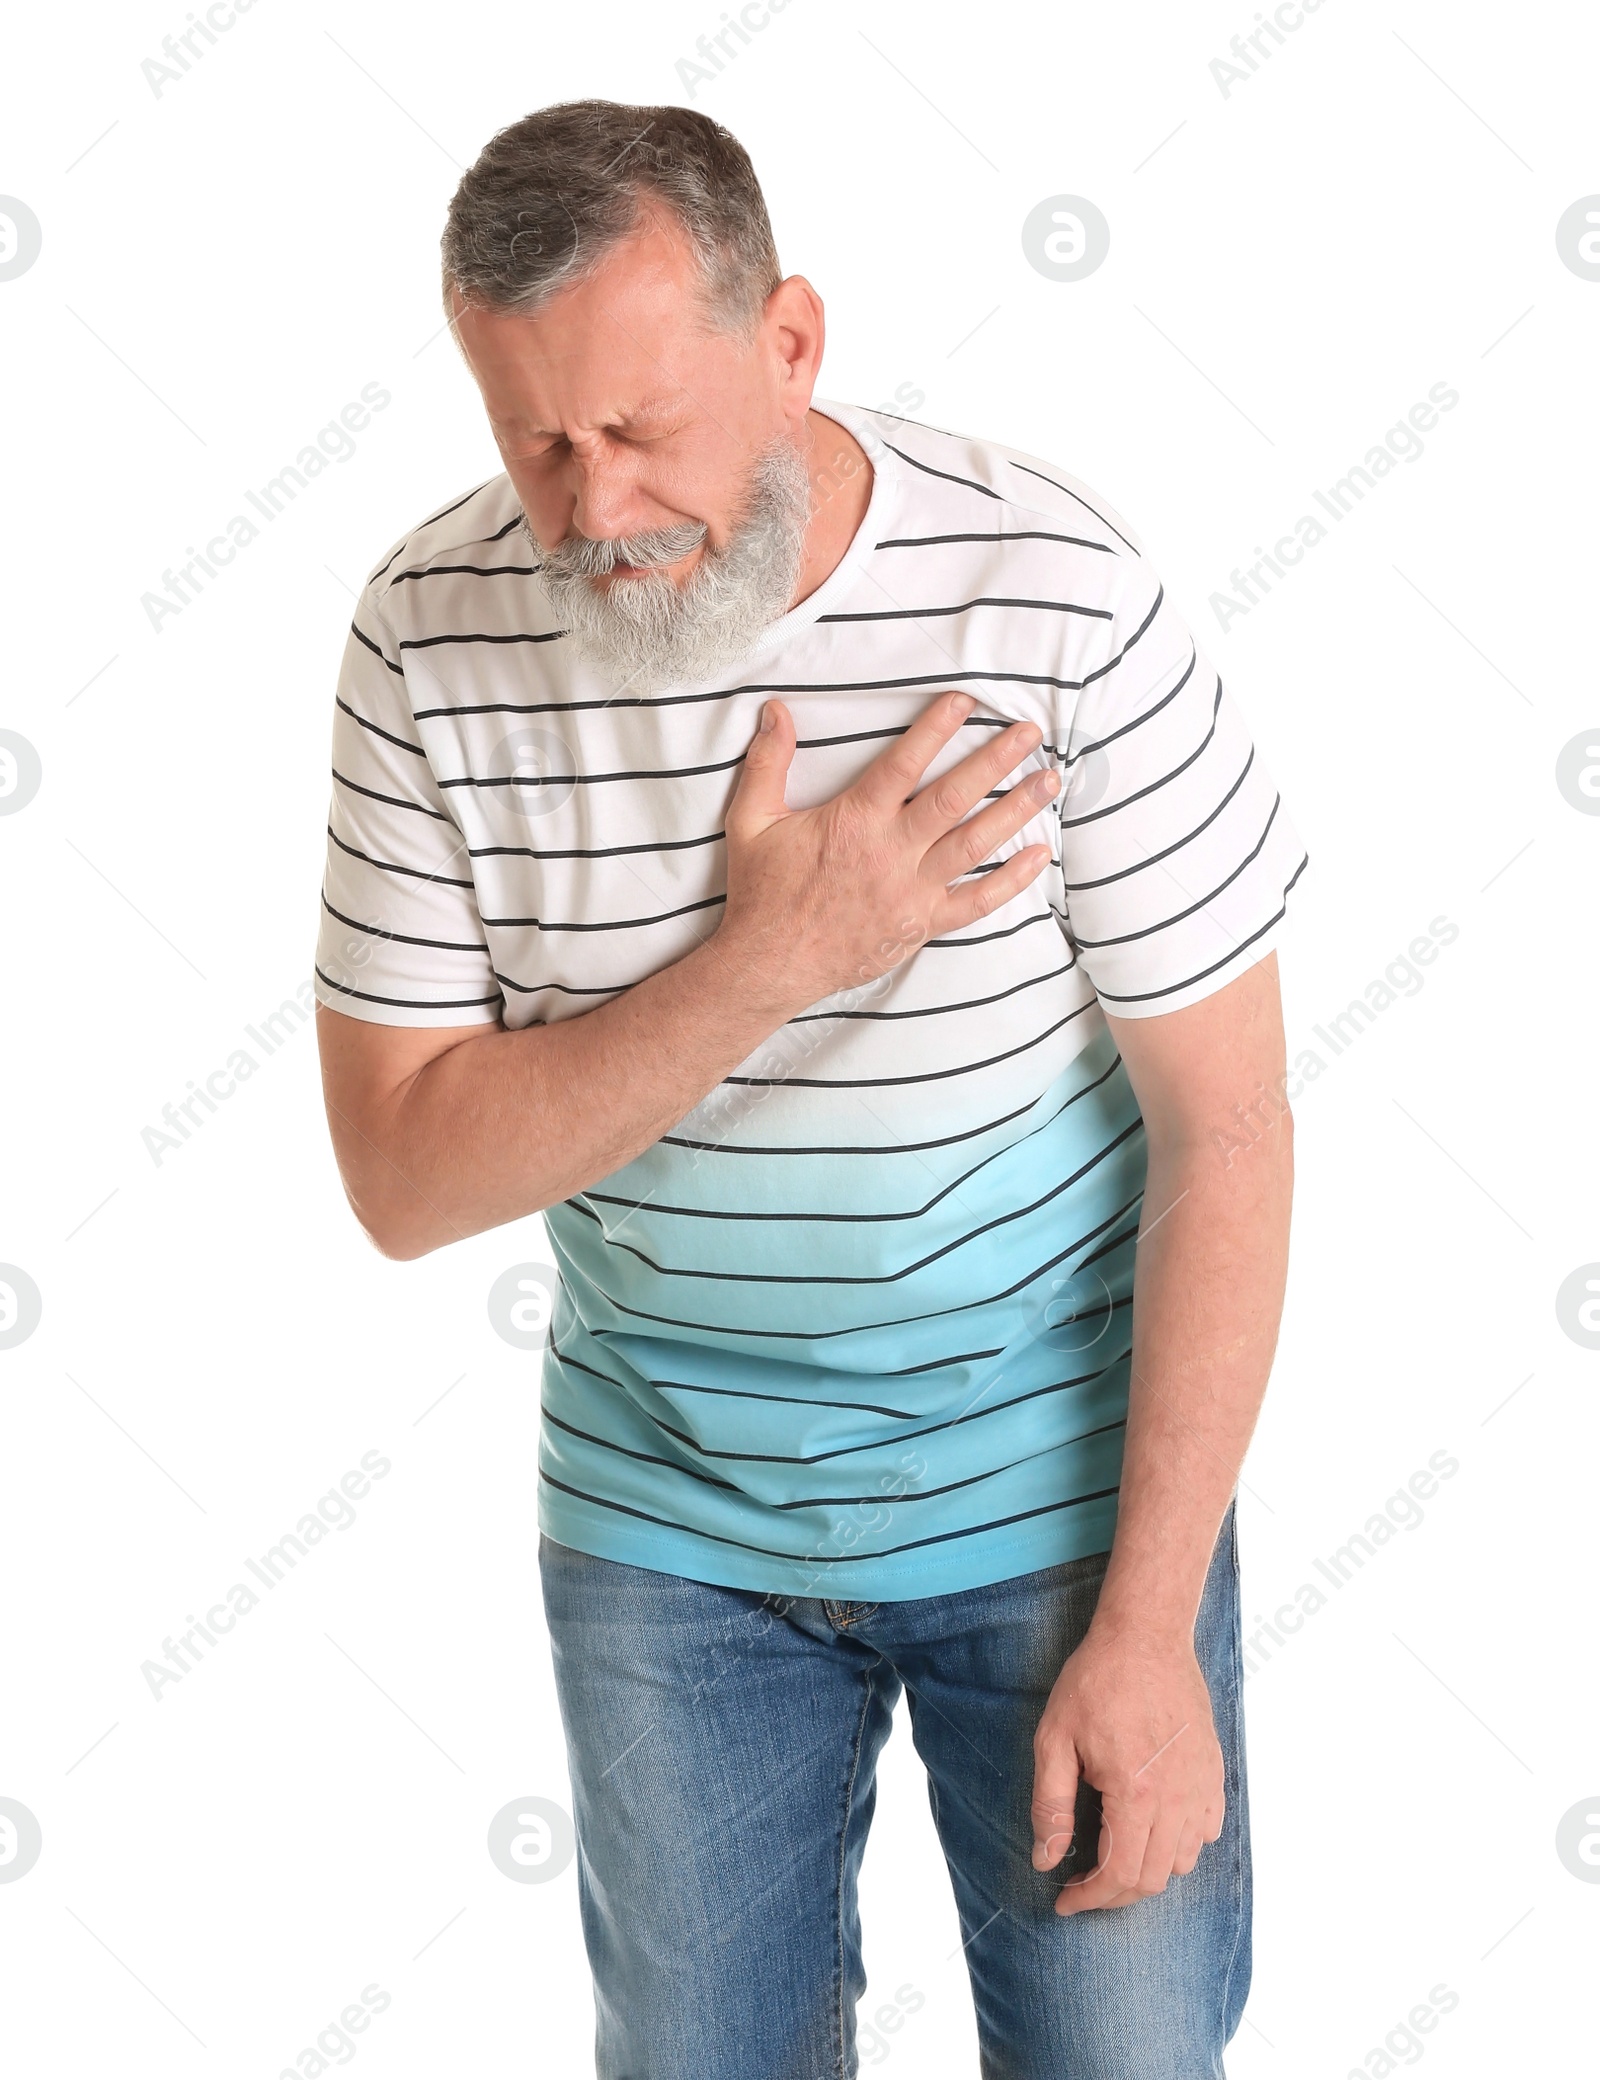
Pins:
x: 605, y: 497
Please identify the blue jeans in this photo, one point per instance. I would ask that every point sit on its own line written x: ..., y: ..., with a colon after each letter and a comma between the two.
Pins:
x: 722, y: 1746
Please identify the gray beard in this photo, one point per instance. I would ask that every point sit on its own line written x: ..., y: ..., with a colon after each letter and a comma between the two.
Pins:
x: 647, y: 633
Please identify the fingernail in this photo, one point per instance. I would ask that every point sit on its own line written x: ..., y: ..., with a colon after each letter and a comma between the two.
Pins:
x: 962, y: 706
x: 1045, y: 786
x: 767, y: 715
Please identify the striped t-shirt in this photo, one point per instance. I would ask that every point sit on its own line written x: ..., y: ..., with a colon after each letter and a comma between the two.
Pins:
x: 858, y: 1326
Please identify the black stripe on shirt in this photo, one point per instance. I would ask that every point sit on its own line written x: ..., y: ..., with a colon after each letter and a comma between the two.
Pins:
x: 388, y: 735
x: 1179, y: 916
x: 927, y: 468
x: 1049, y: 606
x: 393, y: 801
x: 1076, y: 498
x: 361, y: 637
x: 815, y: 1559
x: 939, y: 1010
x: 592, y: 851
x: 879, y: 1278
x: 705, y: 1329
x: 389, y: 866
x: 1139, y: 794
x: 1154, y: 859
x: 1023, y: 534
x: 697, y: 1473
x: 713, y: 1213
x: 410, y: 1003
x: 443, y: 513
x: 619, y: 924
x: 724, y: 765
x: 1138, y: 721
x: 473, y: 570
x: 734, y: 1148
x: 684, y: 1386
x: 895, y: 1496
x: 872, y: 1083
x: 870, y: 1444
x: 554, y: 635
x: 1149, y: 995
x: 374, y: 931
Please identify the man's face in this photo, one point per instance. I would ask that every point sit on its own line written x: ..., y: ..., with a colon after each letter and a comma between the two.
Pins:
x: 615, y: 409
x: 658, y: 462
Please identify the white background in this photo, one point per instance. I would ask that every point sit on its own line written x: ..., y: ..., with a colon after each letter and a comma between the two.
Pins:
x: 1292, y: 265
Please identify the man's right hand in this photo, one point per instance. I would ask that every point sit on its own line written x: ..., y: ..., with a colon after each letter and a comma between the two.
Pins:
x: 444, y: 1131
x: 824, y: 899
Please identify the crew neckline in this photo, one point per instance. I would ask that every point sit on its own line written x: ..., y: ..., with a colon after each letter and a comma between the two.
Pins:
x: 881, y: 460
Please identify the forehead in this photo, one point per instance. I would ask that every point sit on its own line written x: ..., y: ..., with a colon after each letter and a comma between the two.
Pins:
x: 627, y: 342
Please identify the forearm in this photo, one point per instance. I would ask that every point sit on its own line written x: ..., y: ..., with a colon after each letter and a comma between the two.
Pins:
x: 443, y: 1133
x: 505, y: 1125
x: 1208, y: 1294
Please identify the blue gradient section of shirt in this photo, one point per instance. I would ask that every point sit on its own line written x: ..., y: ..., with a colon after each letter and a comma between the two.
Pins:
x: 865, y: 1370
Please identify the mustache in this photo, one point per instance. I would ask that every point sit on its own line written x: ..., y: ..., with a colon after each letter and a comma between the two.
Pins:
x: 584, y: 557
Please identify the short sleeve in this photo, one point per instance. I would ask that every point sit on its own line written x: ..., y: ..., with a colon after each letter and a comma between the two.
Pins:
x: 401, y: 941
x: 1177, y: 851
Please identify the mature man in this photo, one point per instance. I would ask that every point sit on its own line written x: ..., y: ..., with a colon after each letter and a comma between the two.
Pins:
x: 918, y: 1283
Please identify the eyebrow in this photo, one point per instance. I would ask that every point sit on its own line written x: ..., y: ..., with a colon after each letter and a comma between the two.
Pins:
x: 653, y: 409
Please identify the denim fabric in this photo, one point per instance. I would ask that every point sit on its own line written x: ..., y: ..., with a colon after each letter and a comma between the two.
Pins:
x: 723, y: 1745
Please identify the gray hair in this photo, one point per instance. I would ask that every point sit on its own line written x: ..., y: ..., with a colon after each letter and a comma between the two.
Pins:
x: 550, y: 196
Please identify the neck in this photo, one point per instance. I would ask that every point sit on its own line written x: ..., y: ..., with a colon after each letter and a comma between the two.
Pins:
x: 841, y: 485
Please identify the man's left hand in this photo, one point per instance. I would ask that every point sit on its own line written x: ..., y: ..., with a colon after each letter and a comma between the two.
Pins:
x: 1133, y: 1716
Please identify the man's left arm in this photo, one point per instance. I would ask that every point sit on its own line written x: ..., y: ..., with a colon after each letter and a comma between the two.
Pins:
x: 1130, y: 1710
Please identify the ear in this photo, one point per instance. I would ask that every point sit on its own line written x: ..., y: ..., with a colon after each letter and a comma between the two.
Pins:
x: 794, y: 319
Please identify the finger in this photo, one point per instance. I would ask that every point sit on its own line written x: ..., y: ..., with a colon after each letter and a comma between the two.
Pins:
x: 1190, y: 1843
x: 970, y: 900
x: 897, y: 770
x: 1160, y: 1854
x: 945, y: 801
x: 1055, y: 1799
x: 1124, y: 1837
x: 758, y: 799
x: 972, y: 842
